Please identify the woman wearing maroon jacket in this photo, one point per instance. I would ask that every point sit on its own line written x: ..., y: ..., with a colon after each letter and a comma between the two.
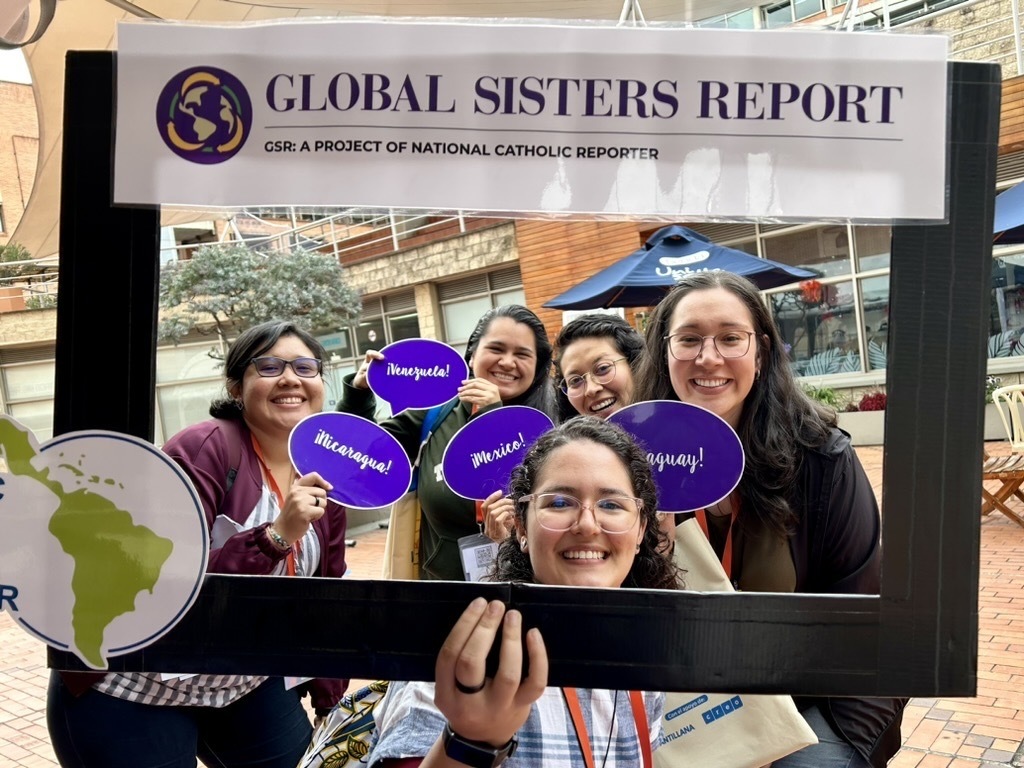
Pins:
x: 263, y: 520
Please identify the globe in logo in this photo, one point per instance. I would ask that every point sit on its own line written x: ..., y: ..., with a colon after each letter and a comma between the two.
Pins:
x: 204, y: 115
x: 105, y: 541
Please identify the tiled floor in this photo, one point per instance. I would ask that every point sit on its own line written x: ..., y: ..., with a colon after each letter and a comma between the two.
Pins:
x: 981, y: 732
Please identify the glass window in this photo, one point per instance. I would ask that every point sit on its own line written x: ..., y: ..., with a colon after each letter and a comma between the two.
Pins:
x: 1006, y: 316
x: 873, y: 244
x: 825, y: 250
x: 182, y: 404
x: 29, y: 380
x: 874, y: 293
x: 37, y: 416
x: 779, y: 15
x: 193, y: 361
x: 517, y: 296
x: 460, y: 318
x: 804, y: 8
x: 370, y: 335
x: 404, y: 327
x: 818, y: 327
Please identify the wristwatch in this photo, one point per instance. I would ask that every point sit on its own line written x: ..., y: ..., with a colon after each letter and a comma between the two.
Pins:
x: 476, y: 754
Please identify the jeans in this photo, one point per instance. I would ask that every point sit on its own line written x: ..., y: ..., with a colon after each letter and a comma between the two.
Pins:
x: 266, y: 728
x: 830, y: 751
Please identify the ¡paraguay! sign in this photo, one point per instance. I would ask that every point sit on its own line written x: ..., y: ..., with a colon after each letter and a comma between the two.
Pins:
x: 104, y: 541
x: 701, y: 123
x: 696, y: 457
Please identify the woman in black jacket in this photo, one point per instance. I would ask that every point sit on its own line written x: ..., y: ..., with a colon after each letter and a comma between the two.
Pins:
x: 804, y: 517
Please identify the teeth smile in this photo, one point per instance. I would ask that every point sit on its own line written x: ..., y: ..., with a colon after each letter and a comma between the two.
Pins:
x: 602, y: 405
x: 711, y: 382
x: 287, y: 400
x: 503, y: 376
x: 587, y: 555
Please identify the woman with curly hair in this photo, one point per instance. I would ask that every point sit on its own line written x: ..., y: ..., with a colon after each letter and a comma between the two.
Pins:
x: 586, y: 517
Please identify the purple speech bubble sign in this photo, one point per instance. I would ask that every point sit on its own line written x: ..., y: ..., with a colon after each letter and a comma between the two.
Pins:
x: 480, y: 458
x: 696, y: 457
x: 417, y: 373
x: 366, y: 465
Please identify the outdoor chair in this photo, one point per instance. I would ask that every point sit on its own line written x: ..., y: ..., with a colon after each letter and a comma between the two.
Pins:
x: 1008, y: 470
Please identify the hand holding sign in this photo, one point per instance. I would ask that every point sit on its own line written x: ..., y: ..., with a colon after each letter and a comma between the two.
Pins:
x: 417, y: 373
x: 696, y: 456
x: 479, y: 459
x: 366, y: 466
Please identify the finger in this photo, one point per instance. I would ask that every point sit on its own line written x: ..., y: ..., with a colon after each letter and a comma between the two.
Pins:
x: 471, y: 666
x: 537, y: 680
x: 373, y: 354
x: 444, y: 669
x: 510, y: 659
x: 493, y: 498
x: 314, y: 480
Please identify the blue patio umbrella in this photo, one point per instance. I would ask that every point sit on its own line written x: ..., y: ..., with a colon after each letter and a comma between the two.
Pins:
x: 1009, y: 219
x: 644, y: 277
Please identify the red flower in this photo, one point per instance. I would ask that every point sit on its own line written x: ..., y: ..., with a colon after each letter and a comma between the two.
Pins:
x: 811, y: 290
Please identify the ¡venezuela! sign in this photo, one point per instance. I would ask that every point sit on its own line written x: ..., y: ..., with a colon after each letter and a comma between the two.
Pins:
x: 551, y: 118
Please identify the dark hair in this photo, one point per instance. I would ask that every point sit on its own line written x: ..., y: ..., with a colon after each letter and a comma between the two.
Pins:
x: 538, y: 395
x: 253, y: 343
x: 595, y: 326
x: 778, y: 422
x: 652, y: 567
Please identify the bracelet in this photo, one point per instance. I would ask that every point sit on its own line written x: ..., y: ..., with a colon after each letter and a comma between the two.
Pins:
x: 277, y: 539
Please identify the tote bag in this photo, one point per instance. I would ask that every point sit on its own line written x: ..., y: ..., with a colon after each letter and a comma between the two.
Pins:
x: 721, y: 729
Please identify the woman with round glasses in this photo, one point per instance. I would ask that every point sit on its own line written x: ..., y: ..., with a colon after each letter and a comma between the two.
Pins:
x: 595, y: 357
x: 803, y: 517
x: 263, y: 520
x: 585, y: 502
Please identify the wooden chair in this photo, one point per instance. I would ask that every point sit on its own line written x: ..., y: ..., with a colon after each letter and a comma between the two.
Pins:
x: 1008, y: 470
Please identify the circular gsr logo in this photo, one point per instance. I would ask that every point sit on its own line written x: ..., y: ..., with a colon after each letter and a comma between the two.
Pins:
x: 204, y: 115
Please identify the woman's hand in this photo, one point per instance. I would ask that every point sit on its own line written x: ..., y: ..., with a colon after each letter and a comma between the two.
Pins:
x: 479, y: 392
x: 499, y: 708
x: 359, y: 380
x: 305, y: 502
x: 499, y: 516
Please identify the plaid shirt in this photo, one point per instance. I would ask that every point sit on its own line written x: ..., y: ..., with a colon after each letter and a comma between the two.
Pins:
x: 408, y: 724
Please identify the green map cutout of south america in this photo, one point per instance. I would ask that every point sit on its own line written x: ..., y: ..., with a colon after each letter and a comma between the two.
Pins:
x: 115, y: 559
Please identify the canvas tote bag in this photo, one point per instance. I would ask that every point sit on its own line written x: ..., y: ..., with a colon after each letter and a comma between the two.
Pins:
x: 720, y: 729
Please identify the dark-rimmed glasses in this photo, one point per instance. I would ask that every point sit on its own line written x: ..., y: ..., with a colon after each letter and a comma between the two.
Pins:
x: 304, y: 367
x: 728, y: 344
x: 602, y: 372
x: 560, y: 511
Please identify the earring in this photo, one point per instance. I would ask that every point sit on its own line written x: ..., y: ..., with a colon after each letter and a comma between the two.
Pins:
x: 757, y: 374
x: 522, y: 543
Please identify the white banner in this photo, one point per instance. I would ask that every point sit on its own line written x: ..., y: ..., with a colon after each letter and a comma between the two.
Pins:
x: 688, y: 123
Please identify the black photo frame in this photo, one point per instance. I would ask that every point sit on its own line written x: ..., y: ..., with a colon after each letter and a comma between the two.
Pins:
x: 917, y: 638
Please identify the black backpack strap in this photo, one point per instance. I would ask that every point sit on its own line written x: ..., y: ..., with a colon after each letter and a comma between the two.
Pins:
x: 233, y: 433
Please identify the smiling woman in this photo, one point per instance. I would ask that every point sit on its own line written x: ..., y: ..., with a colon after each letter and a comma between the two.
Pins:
x: 509, y: 359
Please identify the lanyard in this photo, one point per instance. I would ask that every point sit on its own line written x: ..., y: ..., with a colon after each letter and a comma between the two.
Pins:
x: 702, y: 520
x: 636, y: 703
x: 290, y: 560
x: 479, y: 503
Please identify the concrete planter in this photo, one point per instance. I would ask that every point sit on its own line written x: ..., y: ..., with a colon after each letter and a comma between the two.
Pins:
x: 868, y: 427
x: 865, y: 427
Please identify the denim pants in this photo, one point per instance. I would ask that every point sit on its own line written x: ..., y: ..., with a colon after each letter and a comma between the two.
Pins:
x: 266, y: 728
x: 830, y: 751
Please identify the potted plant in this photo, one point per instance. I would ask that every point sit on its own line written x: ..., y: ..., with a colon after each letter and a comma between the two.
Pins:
x: 864, y: 418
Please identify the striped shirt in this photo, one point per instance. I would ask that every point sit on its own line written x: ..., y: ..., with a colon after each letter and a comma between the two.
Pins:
x: 408, y: 724
x: 210, y: 690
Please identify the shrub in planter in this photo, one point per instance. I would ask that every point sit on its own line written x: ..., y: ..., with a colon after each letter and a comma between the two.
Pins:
x: 824, y: 395
x: 872, y: 401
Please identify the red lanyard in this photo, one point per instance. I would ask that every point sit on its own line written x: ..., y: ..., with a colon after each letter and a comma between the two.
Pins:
x: 702, y: 520
x: 636, y: 703
x: 290, y: 560
x: 479, y: 502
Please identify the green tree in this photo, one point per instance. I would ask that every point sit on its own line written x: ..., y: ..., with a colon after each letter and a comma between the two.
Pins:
x: 225, y: 287
x: 15, y: 252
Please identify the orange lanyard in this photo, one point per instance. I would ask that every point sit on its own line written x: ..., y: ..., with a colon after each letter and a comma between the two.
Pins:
x: 636, y: 703
x: 702, y: 520
x: 290, y: 560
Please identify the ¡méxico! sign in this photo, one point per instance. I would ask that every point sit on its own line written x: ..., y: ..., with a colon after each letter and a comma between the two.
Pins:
x: 533, y: 118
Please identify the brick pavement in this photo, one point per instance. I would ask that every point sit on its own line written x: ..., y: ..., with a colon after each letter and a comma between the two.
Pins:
x: 985, y: 731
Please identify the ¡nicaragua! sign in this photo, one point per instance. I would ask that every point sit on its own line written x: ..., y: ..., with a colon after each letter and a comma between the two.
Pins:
x: 528, y: 118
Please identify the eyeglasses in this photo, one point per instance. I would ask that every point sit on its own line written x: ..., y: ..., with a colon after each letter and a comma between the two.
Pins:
x: 602, y: 372
x: 304, y: 367
x: 560, y: 511
x: 728, y: 344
